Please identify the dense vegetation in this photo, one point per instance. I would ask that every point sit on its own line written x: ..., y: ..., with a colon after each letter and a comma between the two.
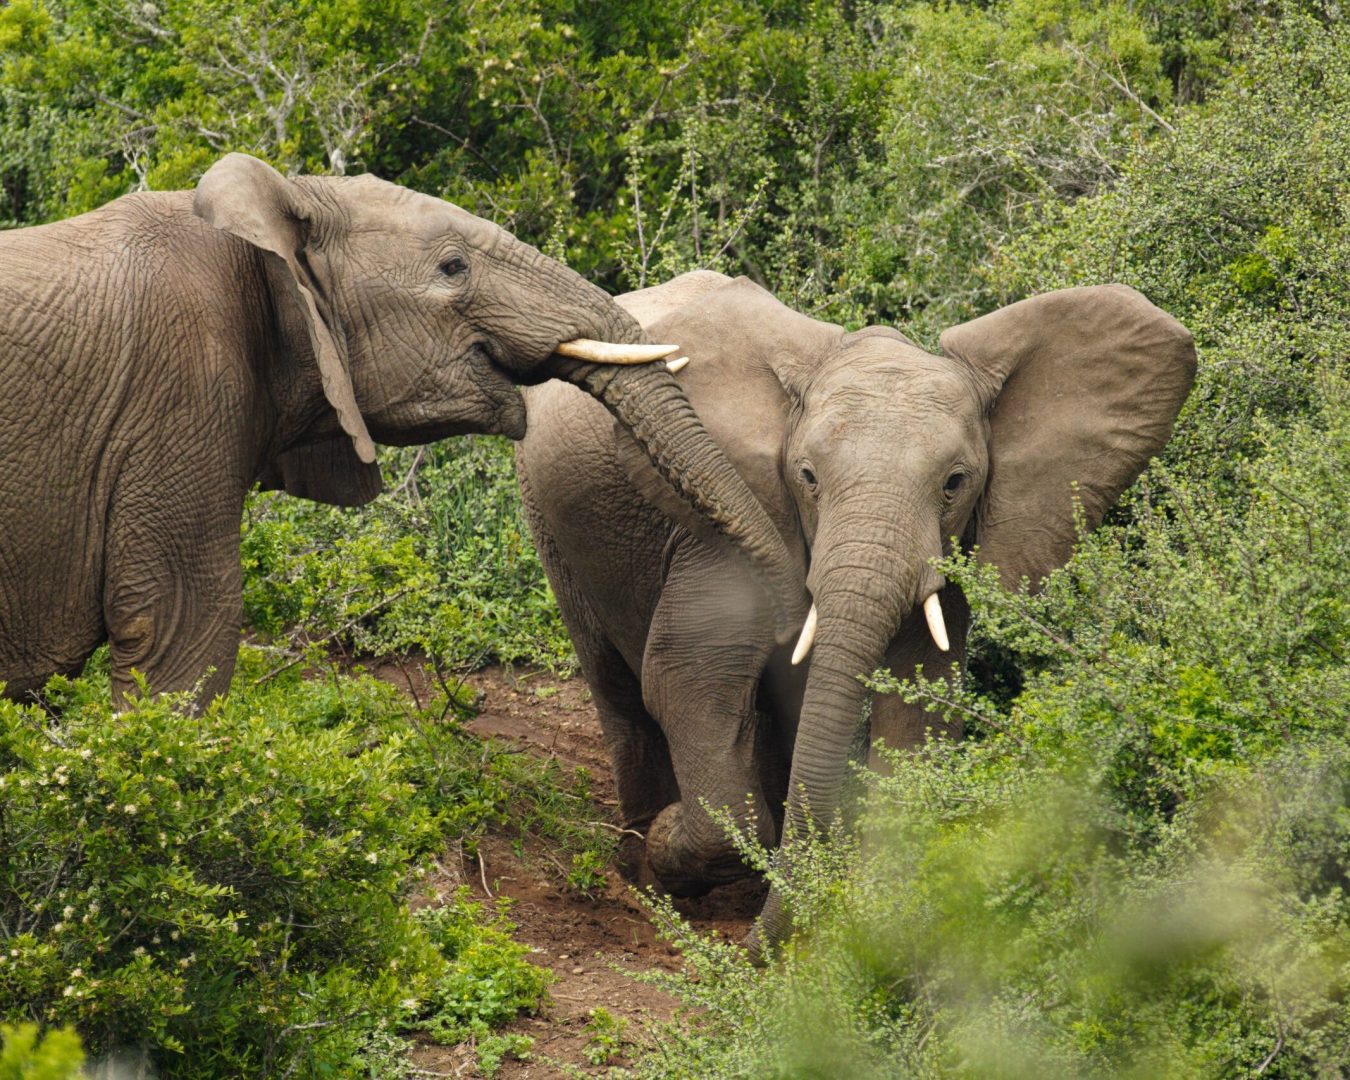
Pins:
x: 1137, y: 862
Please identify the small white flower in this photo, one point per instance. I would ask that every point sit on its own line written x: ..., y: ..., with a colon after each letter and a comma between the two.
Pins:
x: 69, y: 991
x: 139, y: 950
x: 130, y: 808
x: 77, y: 973
x: 372, y: 858
x: 409, y: 1003
x: 68, y: 911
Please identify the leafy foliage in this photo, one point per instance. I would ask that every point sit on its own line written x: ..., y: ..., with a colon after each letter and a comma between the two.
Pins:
x: 230, y: 889
x: 441, y: 566
x: 24, y: 1055
x: 489, y: 982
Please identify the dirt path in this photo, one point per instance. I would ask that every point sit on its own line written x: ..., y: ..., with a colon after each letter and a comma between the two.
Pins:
x: 593, y: 945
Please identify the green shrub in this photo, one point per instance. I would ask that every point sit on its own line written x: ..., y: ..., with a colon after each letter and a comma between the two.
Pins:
x: 227, y: 888
x: 26, y: 1056
x: 604, y: 1036
x: 489, y: 982
x: 230, y: 889
x: 1238, y: 226
x: 441, y: 565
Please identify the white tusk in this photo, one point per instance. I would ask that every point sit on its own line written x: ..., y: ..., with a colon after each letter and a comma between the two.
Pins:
x: 675, y: 365
x: 932, y: 611
x: 807, y: 637
x: 608, y: 352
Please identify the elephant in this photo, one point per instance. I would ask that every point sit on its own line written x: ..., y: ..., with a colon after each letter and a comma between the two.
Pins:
x: 161, y: 354
x: 873, y: 457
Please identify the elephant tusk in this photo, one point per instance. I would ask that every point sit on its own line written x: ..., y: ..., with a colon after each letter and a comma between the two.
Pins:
x: 608, y: 352
x: 675, y: 365
x: 808, y: 636
x: 932, y: 611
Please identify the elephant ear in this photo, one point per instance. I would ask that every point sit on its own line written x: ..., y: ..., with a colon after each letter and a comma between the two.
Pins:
x: 248, y: 198
x: 1083, y: 387
x: 747, y: 356
x: 327, y: 472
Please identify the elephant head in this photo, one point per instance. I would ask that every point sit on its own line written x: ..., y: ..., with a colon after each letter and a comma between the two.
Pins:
x: 871, y: 454
x: 419, y: 321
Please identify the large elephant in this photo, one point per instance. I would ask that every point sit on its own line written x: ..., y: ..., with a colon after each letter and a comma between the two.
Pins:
x: 869, y: 454
x: 161, y: 354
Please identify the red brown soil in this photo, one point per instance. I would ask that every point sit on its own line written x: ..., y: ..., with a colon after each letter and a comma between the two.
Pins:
x: 592, y: 944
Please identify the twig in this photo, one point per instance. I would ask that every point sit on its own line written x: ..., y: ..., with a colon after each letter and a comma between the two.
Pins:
x: 1279, y: 1045
x: 465, y: 143
x: 482, y: 874
x: 1123, y: 87
x: 617, y: 829
x: 336, y: 633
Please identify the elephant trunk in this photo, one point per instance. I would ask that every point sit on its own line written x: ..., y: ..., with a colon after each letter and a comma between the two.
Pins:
x: 868, y: 574
x: 655, y: 409
x: 647, y: 400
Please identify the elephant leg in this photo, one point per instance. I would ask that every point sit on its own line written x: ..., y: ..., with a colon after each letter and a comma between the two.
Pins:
x: 172, y: 596
x: 637, y: 749
x: 643, y: 774
x: 903, y: 726
x: 710, y: 639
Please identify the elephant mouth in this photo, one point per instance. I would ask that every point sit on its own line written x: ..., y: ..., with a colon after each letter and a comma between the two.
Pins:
x: 483, y: 398
x: 478, y: 393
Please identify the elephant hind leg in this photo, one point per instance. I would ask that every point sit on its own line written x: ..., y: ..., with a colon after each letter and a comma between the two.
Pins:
x: 637, y: 748
x: 172, y: 603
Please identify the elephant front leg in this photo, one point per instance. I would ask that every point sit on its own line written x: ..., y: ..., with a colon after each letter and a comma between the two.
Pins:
x: 172, y: 601
x: 711, y: 637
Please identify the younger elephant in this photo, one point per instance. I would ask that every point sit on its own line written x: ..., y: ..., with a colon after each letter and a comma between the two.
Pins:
x: 868, y: 453
x: 160, y: 355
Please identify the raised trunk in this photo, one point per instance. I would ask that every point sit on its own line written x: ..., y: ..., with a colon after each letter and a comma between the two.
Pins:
x: 648, y: 401
x: 651, y: 404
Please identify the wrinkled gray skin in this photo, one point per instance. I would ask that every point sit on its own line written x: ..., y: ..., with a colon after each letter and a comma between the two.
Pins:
x: 160, y: 354
x: 869, y: 454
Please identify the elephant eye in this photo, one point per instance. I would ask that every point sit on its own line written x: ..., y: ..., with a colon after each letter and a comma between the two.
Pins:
x: 954, y: 482
x: 454, y: 266
x: 808, y: 477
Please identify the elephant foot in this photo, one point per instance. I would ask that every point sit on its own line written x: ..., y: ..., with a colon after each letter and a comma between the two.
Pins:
x: 628, y: 858
x: 688, y: 867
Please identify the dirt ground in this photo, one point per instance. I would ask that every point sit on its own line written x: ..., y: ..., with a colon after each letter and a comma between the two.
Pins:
x: 592, y: 945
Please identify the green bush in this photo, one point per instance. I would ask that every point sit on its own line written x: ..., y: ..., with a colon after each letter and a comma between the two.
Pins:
x: 441, y: 565
x: 230, y: 889
x: 489, y: 981
x: 26, y: 1056
x: 227, y: 888
x: 1238, y: 226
